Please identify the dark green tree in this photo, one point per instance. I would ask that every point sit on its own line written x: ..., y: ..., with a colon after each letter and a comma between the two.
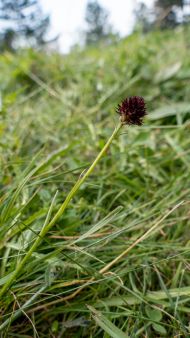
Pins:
x: 143, y: 18
x: 98, y: 27
x: 22, y: 23
x: 166, y: 13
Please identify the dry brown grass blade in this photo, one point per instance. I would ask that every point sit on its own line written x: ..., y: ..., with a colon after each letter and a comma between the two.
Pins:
x: 109, y: 265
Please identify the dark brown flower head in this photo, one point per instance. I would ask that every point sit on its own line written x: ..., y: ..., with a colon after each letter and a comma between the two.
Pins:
x: 132, y: 110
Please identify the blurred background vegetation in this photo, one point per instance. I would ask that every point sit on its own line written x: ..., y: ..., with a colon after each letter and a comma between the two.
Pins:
x: 24, y: 24
x: 56, y: 113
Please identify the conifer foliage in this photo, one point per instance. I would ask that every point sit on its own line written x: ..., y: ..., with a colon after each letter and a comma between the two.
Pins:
x: 22, y: 23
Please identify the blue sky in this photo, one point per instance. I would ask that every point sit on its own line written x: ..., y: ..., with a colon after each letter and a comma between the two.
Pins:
x: 67, y: 17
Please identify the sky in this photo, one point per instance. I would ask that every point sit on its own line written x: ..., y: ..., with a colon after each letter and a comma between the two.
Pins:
x: 67, y: 18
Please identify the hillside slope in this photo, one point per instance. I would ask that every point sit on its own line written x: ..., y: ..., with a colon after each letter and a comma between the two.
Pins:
x: 57, y: 113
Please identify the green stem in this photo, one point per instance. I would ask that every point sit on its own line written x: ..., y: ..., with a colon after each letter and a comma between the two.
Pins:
x: 62, y: 208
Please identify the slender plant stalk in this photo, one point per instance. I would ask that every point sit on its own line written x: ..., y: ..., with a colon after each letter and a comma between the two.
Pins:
x: 106, y: 268
x: 47, y: 226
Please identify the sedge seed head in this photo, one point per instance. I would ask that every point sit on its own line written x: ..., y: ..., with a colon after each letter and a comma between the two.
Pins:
x: 132, y: 110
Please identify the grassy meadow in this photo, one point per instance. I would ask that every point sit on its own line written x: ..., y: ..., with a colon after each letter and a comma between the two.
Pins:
x: 57, y: 112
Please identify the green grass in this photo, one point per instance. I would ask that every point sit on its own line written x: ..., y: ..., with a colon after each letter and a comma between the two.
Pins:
x: 57, y: 113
